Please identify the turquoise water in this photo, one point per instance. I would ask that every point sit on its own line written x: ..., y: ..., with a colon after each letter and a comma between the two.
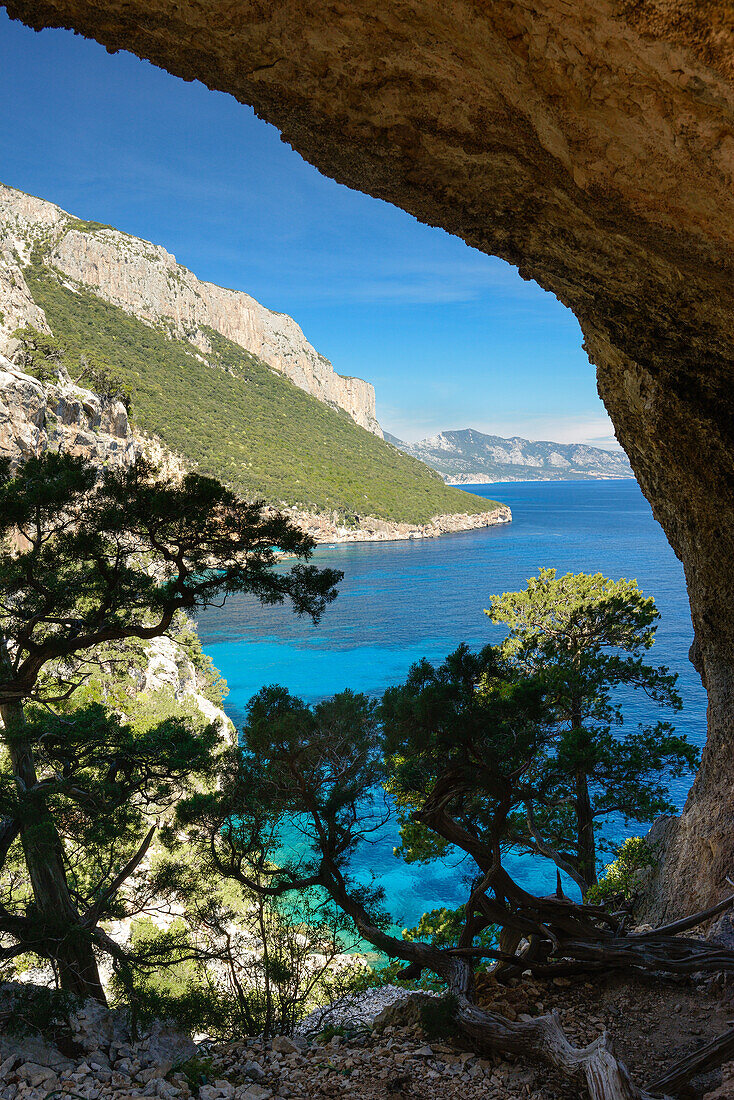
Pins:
x: 405, y: 600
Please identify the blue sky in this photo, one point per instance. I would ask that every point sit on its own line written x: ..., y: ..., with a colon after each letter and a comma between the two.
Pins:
x: 449, y: 337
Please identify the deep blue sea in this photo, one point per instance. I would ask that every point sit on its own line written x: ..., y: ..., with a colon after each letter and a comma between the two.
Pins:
x: 400, y: 601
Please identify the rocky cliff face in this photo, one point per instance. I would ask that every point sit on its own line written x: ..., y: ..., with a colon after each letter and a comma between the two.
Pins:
x: 36, y: 417
x: 17, y: 307
x: 146, y: 281
x: 469, y: 457
x: 170, y: 668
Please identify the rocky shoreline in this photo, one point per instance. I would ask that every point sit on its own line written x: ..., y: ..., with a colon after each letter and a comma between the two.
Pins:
x: 494, y: 479
x: 39, y: 416
x: 322, y: 529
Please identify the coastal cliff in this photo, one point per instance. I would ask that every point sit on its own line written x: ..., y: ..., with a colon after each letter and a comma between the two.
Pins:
x: 58, y: 415
x: 146, y: 281
x: 208, y: 375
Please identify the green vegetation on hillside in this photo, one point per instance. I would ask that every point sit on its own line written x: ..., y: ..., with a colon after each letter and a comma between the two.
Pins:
x: 239, y: 420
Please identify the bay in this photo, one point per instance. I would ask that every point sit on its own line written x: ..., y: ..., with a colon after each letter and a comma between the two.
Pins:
x: 401, y: 601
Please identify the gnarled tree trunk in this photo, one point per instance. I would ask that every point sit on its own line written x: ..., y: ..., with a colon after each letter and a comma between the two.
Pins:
x: 594, y: 1066
x: 61, y: 934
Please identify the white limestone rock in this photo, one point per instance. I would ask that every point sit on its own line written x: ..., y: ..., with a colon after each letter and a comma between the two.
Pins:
x: 36, y: 417
x: 146, y: 281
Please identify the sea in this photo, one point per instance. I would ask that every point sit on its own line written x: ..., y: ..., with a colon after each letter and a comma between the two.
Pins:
x: 401, y: 601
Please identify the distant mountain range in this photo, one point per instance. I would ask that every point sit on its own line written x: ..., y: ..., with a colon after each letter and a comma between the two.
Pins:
x: 469, y: 457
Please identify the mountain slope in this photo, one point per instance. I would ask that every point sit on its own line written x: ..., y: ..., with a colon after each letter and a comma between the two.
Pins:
x: 231, y: 415
x: 469, y: 457
x: 146, y: 281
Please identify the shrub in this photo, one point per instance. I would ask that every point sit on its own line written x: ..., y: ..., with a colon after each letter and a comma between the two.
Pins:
x: 235, y: 963
x: 197, y: 1071
x: 37, y: 1010
x: 42, y: 356
x: 634, y: 859
x: 438, y: 1016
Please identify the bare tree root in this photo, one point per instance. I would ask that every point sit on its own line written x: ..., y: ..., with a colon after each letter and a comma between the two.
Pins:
x: 586, y: 937
x: 542, y: 1039
x: 583, y: 938
x: 597, y: 943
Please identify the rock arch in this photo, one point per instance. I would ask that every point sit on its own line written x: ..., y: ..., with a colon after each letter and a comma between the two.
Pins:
x: 590, y: 142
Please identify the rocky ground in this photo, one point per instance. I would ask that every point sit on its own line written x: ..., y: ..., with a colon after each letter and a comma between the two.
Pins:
x: 654, y: 1021
x: 389, y: 1058
x: 354, y: 1011
x: 394, y: 1062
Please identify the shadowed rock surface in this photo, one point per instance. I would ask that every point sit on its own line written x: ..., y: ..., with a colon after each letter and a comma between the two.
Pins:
x: 590, y: 143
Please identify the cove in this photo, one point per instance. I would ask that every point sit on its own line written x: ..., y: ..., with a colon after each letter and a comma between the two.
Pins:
x: 401, y: 601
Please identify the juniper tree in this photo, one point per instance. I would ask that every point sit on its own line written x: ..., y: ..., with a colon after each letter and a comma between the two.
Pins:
x: 90, y: 559
x: 471, y: 731
x: 85, y: 828
x: 588, y: 637
x: 460, y: 761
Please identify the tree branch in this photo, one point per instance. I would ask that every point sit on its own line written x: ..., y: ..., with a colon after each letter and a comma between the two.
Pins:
x: 92, y: 915
x: 545, y: 849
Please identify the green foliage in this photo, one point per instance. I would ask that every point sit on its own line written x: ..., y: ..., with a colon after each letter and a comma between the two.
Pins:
x: 577, y: 611
x: 633, y: 861
x: 102, y: 784
x: 83, y: 577
x: 39, y: 1011
x: 176, y: 985
x: 393, y: 973
x: 212, y: 685
x: 503, y: 750
x: 235, y: 418
x: 330, y: 1031
x: 442, y: 927
x: 235, y: 963
x: 114, y: 677
x: 107, y: 561
x: 245, y: 826
x: 300, y: 774
x: 439, y: 724
x: 41, y: 355
x: 197, y: 1071
x: 84, y: 226
x: 316, y: 769
x: 587, y: 636
x: 104, y: 383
